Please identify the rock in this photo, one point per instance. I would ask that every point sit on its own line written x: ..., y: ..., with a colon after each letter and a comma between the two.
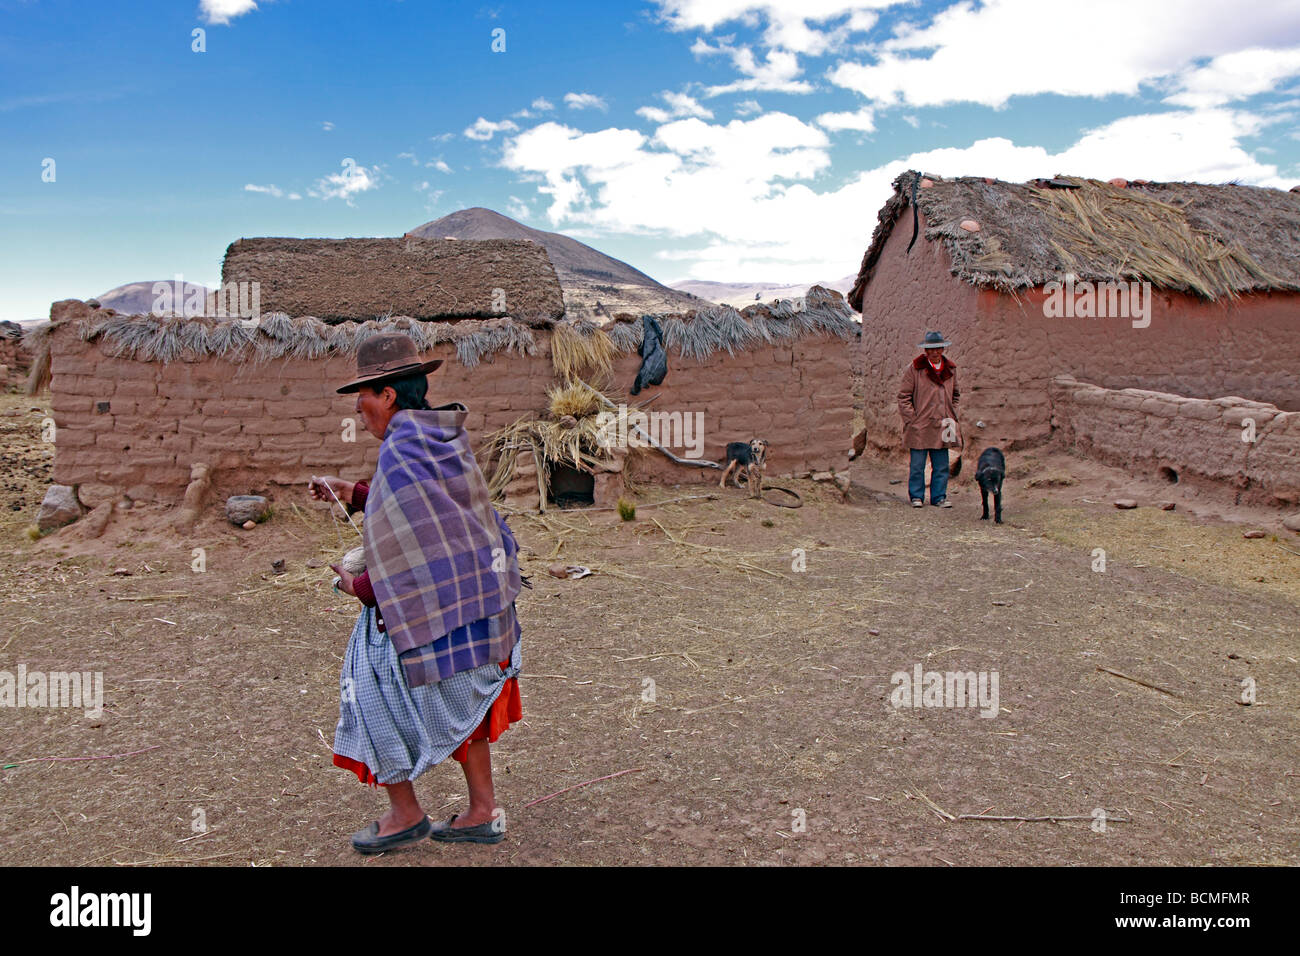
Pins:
x: 93, y: 495
x: 823, y: 476
x: 1119, y: 183
x: 59, y: 507
x: 241, y: 509
x: 1125, y: 503
x: 1167, y: 506
x: 1254, y: 533
x: 249, y: 525
x: 927, y: 183
x: 970, y: 225
x: 121, y: 573
x: 277, y: 566
x: 1292, y: 523
x: 315, y: 563
x: 196, y: 493
x: 873, y: 632
x: 95, y: 522
x: 558, y: 570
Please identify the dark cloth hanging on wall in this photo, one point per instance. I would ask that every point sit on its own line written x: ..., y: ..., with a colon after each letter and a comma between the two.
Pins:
x: 654, y: 360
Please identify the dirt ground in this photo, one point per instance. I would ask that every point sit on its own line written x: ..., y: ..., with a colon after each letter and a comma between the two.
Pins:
x: 769, y: 738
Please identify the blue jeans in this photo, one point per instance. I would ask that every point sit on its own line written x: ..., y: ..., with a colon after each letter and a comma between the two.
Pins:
x: 938, y: 474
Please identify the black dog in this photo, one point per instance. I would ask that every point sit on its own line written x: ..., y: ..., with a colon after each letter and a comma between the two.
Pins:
x: 989, y: 472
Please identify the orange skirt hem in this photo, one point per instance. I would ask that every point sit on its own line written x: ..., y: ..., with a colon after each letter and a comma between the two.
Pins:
x: 507, y: 709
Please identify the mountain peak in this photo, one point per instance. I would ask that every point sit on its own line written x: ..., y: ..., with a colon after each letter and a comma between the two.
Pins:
x: 593, y: 282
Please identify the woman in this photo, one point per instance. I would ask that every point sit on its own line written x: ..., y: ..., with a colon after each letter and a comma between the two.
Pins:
x: 431, y: 667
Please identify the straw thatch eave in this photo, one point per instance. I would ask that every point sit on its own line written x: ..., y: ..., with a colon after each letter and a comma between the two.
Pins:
x: 170, y: 338
x: 150, y: 338
x: 1208, y: 241
x: 340, y: 280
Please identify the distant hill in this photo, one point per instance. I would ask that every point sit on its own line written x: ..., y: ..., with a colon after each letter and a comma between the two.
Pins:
x: 741, y: 294
x: 587, y: 276
x: 137, y: 298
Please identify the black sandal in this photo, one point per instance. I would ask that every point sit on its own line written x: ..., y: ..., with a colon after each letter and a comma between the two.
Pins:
x: 494, y: 831
x: 369, y: 840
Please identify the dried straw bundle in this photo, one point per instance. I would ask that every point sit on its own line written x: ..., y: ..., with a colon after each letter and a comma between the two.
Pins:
x: 581, y: 348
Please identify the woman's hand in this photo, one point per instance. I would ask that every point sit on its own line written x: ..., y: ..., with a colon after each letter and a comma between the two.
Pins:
x: 320, y: 488
x: 345, y: 580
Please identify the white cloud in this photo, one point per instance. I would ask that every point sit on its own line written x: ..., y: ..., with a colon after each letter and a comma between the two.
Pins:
x: 679, y: 104
x: 999, y: 49
x: 410, y: 156
x: 585, y: 101
x: 517, y: 208
x: 327, y: 126
x: 912, y: 121
x: 439, y: 165
x: 272, y: 190
x: 295, y: 195
x: 863, y: 120
x: 788, y: 22
x: 346, y: 184
x: 484, y: 130
x: 753, y: 194
x: 685, y: 177
x: 778, y: 73
x: 1235, y: 76
x: 223, y: 11
x: 748, y: 108
x: 543, y: 104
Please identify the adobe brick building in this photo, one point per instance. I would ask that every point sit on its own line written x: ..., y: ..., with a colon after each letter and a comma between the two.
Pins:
x: 138, y: 400
x: 1222, y: 318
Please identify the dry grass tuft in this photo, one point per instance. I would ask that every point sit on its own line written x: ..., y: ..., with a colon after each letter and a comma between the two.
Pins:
x: 580, y: 348
x: 573, y: 398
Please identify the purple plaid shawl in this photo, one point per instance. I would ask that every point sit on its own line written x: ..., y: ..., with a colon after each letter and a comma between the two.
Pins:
x: 439, y: 555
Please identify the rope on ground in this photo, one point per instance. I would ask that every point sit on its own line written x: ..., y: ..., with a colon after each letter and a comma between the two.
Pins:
x: 798, y: 502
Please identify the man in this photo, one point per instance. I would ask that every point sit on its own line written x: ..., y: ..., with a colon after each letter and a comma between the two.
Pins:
x: 927, y: 401
x: 430, y: 670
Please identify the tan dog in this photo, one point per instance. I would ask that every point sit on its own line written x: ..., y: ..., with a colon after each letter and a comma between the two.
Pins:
x: 750, y: 456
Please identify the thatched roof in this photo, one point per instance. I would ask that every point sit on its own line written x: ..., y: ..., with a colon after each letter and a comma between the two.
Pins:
x: 699, y: 334
x: 428, y: 279
x: 150, y: 338
x: 1210, y: 241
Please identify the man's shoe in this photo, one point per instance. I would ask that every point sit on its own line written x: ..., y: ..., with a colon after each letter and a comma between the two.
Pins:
x: 943, y: 503
x: 369, y: 840
x: 917, y: 502
x: 494, y: 831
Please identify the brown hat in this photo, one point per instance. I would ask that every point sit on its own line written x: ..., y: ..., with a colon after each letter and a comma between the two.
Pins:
x: 382, y: 358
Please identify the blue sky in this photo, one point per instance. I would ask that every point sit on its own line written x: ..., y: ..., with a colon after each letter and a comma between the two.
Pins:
x: 707, y: 139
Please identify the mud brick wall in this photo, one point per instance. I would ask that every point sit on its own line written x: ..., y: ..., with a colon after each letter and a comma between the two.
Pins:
x: 135, y: 427
x: 1200, y: 439
x: 1007, y: 352
x: 13, y: 355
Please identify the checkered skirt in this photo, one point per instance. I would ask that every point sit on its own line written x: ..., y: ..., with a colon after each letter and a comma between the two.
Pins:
x: 399, y: 731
